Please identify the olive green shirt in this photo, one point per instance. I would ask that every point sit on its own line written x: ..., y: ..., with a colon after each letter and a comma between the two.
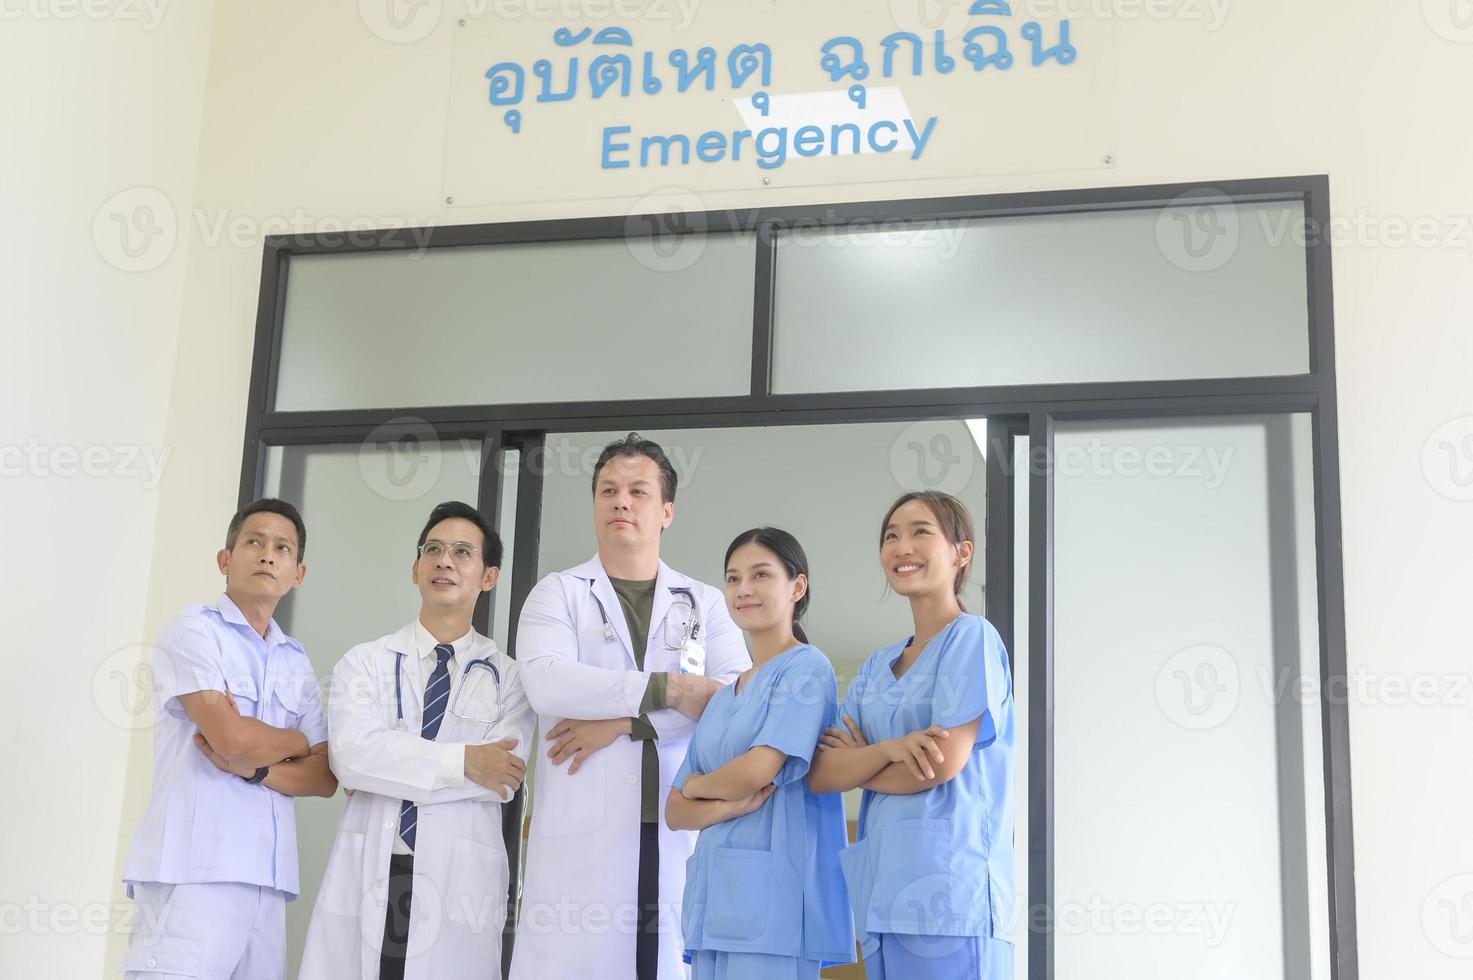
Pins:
x: 638, y: 600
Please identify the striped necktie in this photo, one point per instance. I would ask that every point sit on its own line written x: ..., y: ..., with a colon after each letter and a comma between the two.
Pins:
x: 437, y: 695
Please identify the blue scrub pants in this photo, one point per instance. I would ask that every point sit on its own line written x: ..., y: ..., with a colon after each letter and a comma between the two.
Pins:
x: 902, y: 957
x: 709, y: 964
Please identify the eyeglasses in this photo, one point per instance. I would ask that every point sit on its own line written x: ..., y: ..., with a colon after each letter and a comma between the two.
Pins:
x: 460, y: 552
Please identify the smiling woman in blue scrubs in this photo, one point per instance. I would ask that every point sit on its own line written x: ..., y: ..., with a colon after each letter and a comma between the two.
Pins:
x: 764, y: 894
x: 928, y: 733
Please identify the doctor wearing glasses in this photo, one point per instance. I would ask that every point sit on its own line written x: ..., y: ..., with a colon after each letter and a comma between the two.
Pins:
x: 429, y: 731
x: 619, y: 657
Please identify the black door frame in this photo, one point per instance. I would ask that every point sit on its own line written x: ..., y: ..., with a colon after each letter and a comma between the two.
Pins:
x: 517, y: 425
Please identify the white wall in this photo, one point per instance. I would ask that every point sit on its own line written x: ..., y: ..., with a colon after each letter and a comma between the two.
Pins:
x: 308, y: 116
x: 95, y: 104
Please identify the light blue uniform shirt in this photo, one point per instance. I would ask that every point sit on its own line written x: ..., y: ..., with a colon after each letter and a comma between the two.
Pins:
x: 203, y: 824
x: 938, y: 862
x: 769, y: 881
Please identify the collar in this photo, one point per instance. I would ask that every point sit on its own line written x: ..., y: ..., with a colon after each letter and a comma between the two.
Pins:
x: 592, y: 572
x: 425, y: 643
x: 231, y: 613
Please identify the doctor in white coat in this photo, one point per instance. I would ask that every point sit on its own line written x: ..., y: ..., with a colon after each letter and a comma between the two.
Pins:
x: 431, y: 731
x: 618, y: 656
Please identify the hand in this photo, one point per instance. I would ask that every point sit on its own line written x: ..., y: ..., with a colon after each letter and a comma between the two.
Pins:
x: 221, y: 763
x: 916, y: 751
x: 848, y: 737
x: 689, y: 693
x: 753, y: 803
x: 580, y: 739
x: 494, y: 767
x: 691, y: 788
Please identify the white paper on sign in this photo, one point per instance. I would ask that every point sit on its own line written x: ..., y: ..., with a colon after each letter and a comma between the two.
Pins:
x: 828, y: 109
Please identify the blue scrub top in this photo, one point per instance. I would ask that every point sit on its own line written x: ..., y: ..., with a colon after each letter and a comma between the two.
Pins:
x: 769, y: 881
x: 938, y: 862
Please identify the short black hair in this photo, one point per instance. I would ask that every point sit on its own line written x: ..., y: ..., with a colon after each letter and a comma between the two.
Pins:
x: 635, y: 444
x: 491, y: 548
x: 268, y: 505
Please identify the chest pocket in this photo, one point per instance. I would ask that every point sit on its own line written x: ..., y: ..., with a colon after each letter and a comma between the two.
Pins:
x: 286, y: 695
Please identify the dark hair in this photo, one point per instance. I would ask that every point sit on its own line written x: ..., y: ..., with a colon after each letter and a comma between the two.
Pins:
x: 491, y: 548
x: 268, y: 505
x: 636, y: 445
x: 794, y: 561
x: 951, y: 516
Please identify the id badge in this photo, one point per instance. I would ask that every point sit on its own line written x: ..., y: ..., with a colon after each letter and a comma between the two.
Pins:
x: 693, y: 658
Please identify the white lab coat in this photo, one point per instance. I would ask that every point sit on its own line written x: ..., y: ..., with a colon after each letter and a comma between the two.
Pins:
x: 460, y: 866
x: 579, y: 893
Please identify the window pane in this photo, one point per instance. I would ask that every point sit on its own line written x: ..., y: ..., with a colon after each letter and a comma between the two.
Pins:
x: 364, y: 507
x: 1189, y: 817
x: 1142, y: 295
x: 554, y: 321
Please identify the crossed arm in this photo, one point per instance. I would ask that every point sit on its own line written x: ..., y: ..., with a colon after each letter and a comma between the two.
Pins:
x: 740, y: 787
x: 913, y: 763
x: 240, y: 745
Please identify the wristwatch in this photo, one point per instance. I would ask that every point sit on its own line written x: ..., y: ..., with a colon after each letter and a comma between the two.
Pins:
x: 260, y: 775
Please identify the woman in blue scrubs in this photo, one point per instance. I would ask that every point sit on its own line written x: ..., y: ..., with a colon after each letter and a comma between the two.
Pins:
x: 764, y: 893
x: 928, y: 733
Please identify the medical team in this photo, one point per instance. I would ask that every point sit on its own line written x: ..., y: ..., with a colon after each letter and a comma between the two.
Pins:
x: 688, y: 819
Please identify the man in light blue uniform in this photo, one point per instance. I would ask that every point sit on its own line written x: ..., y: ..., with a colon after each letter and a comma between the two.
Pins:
x: 239, y: 731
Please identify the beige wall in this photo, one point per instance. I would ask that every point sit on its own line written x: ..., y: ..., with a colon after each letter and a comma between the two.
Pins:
x: 309, y: 117
x: 100, y: 111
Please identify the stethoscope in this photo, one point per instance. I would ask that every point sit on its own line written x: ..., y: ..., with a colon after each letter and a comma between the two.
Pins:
x: 690, y: 624
x: 399, y: 683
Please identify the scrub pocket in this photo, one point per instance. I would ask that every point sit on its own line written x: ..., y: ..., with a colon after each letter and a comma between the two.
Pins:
x: 915, y: 889
x: 738, y: 894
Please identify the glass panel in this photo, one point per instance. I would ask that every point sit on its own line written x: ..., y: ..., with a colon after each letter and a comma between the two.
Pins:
x: 511, y: 465
x: 1189, y: 816
x: 364, y: 507
x: 1188, y: 292
x: 542, y: 322
x: 1020, y: 702
x: 828, y: 484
